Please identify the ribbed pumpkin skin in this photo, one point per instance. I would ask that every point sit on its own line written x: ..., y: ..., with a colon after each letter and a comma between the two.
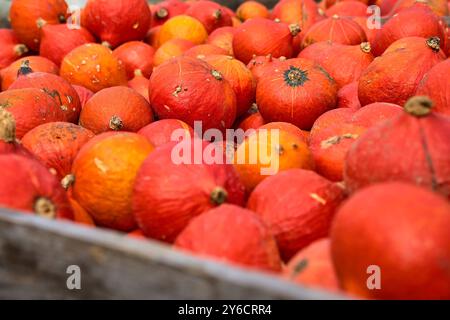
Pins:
x: 94, y: 67
x: 408, y: 237
x: 234, y: 235
x: 335, y: 131
x: 10, y: 48
x: 27, y: 15
x: 424, y: 160
x: 416, y: 21
x: 436, y: 85
x: 58, y: 40
x: 262, y: 37
x: 168, y: 195
x: 299, y: 101
x: 395, y: 76
x: 117, y: 109
x: 56, y: 145
x: 30, y: 108
x: 37, y: 64
x: 56, y: 87
x: 136, y: 55
x: 334, y: 29
x: 25, y: 181
x: 100, y: 17
x: 344, y: 63
x: 188, y: 89
x: 303, y: 211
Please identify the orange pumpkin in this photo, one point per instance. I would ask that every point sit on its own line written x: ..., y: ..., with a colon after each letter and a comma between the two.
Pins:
x: 140, y: 84
x: 56, y: 145
x: 152, y: 37
x: 28, y: 16
x: 204, y: 50
x: 223, y: 38
x: 183, y: 27
x: 104, y: 172
x: 268, y: 152
x: 94, y: 67
x: 136, y: 55
x: 117, y: 109
x: 171, y: 49
x: 37, y: 63
x: 252, y: 9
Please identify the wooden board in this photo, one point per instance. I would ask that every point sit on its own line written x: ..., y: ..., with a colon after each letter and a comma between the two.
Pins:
x: 35, y: 254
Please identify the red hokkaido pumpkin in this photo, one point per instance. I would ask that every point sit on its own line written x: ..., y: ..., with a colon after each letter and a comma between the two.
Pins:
x: 223, y: 38
x: 386, y: 6
x: 240, y: 78
x: 234, y: 235
x: 94, y: 67
x: 302, y: 12
x: 259, y: 64
x: 347, y: 9
x: 416, y: 21
x: 252, y: 119
x: 136, y: 55
x: 296, y: 91
x: 101, y: 18
x: 84, y: 94
x: 371, y: 33
x: 313, y: 267
x: 401, y: 229
x: 203, y: 50
x: 188, y: 89
x: 8, y: 142
x: 167, y: 9
x: 262, y: 37
x: 37, y: 63
x: 347, y: 96
x: 29, y: 187
x: 439, y: 7
x: 152, y: 37
x: 56, y: 87
x: 395, y: 76
x: 140, y: 84
x: 436, y: 85
x: 288, y: 127
x: 28, y: 16
x: 212, y: 15
x: 117, y: 109
x: 252, y: 9
x: 424, y: 160
x: 168, y: 194
x: 344, y: 63
x: 335, y: 131
x: 57, y: 40
x: 171, y: 49
x: 329, y: 3
x: 161, y: 132
x: 334, y: 29
x: 10, y: 48
x: 56, y: 145
x: 104, y: 172
x: 301, y: 213
x: 30, y: 108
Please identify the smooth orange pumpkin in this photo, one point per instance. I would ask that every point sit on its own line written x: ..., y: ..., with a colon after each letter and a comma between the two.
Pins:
x: 252, y: 9
x: 183, y: 27
x: 171, y: 49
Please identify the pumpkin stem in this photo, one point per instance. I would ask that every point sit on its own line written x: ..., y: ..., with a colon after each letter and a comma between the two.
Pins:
x: 7, y: 126
x: 295, y: 77
x: 282, y: 58
x: 434, y: 43
x: 62, y: 18
x: 24, y: 68
x: 277, y: 20
x: 20, y: 49
x: 217, y: 75
x: 162, y: 13
x: 419, y: 106
x: 253, y: 109
x: 218, y: 196
x: 138, y: 73
x: 115, y: 123
x: 45, y: 208
x: 365, y: 47
x: 217, y: 14
x: 67, y: 181
x: 106, y: 44
x: 294, y: 29
x: 40, y: 23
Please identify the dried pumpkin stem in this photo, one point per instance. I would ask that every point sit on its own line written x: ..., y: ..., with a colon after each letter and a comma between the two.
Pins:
x: 115, y: 123
x: 434, y: 43
x: 45, y: 208
x: 24, y: 68
x: 20, y: 49
x: 7, y: 126
x: 162, y: 13
x: 419, y: 106
x: 294, y: 29
x: 365, y: 47
x: 218, y: 196
x: 67, y: 181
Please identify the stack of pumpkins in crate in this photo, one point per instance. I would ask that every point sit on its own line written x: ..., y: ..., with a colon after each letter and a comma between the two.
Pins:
x: 91, y: 101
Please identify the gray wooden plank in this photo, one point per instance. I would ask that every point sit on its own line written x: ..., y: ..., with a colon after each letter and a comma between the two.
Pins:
x: 35, y: 253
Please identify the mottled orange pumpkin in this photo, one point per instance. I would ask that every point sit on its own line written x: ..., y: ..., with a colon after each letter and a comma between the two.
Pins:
x: 171, y: 49
x: 183, y: 27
